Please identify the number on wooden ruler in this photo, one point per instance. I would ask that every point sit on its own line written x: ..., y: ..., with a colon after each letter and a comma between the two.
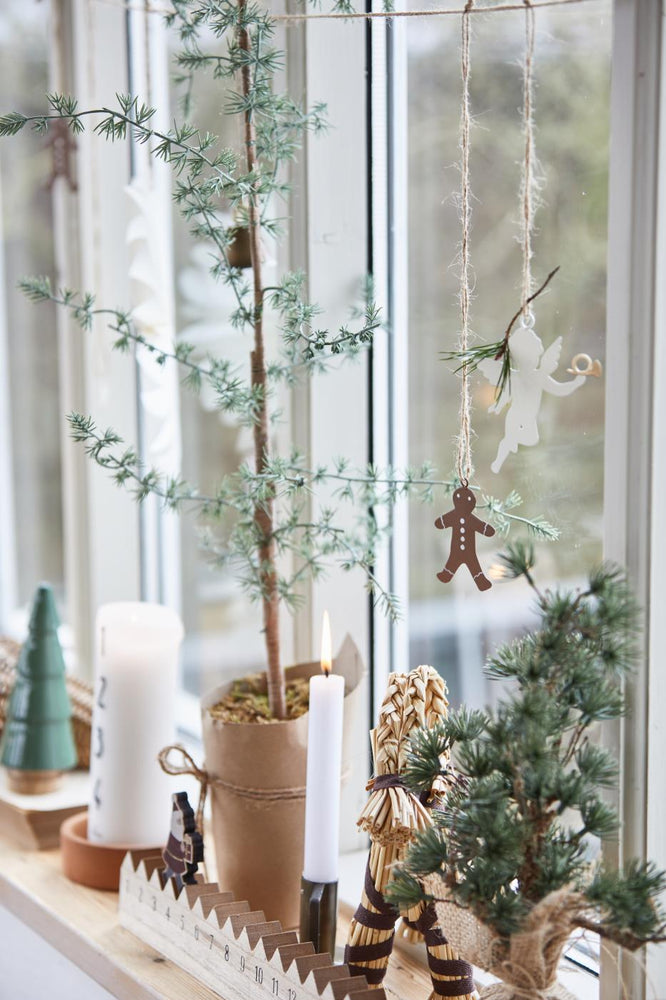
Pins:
x: 226, y: 953
x: 291, y: 994
x: 242, y: 963
x: 276, y: 986
x: 196, y: 933
x: 212, y: 939
x: 258, y: 974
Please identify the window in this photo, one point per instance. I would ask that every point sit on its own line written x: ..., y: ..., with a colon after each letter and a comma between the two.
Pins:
x: 562, y: 479
x: 372, y: 195
x: 31, y: 536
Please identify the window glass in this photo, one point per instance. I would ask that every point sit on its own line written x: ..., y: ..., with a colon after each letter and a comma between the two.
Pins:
x: 222, y: 627
x: 31, y: 479
x: 561, y: 479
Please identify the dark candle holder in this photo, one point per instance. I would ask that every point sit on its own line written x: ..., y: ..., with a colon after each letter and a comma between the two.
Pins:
x: 319, y: 912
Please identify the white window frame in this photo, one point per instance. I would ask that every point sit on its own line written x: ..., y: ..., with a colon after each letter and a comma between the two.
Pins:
x: 635, y: 473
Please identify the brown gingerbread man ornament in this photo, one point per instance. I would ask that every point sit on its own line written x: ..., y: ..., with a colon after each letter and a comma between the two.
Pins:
x: 464, y: 528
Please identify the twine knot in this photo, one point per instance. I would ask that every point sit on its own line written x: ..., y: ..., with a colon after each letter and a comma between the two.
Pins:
x: 188, y: 767
x: 206, y: 779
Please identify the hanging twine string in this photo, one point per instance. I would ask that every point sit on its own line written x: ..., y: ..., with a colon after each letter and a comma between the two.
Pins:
x: 527, y: 184
x: 157, y: 7
x: 464, y: 458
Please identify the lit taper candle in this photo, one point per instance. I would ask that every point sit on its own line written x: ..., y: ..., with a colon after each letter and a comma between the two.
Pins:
x: 322, y: 798
x: 319, y: 885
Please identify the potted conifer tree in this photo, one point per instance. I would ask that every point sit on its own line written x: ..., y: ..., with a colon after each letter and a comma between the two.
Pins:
x: 508, y: 862
x: 263, y: 503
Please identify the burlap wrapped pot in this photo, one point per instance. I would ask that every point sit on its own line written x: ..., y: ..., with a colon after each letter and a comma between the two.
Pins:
x: 526, y: 962
x: 257, y: 788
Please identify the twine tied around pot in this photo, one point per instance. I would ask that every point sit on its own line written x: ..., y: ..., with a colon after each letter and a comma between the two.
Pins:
x: 205, y: 779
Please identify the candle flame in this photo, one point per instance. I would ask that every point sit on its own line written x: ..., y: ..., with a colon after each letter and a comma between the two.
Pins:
x: 326, y: 655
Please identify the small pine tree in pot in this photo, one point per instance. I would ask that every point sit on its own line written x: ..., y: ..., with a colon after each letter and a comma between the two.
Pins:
x: 508, y: 861
x: 265, y: 504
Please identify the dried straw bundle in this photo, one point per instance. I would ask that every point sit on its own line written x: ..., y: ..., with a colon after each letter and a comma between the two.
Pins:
x: 392, y: 816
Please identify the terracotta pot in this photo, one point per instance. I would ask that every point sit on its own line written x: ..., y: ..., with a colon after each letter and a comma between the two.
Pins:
x: 92, y: 864
x: 258, y: 823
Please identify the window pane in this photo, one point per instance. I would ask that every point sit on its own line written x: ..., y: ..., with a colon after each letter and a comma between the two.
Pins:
x: 223, y: 637
x: 31, y: 346
x: 453, y: 625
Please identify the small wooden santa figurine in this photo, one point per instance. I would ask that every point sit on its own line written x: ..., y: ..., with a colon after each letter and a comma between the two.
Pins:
x: 184, y: 849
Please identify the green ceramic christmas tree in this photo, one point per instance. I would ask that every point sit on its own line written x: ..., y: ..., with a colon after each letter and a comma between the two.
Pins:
x: 37, y: 742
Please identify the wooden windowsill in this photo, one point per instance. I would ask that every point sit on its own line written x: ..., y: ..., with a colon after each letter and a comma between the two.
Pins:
x: 83, y: 925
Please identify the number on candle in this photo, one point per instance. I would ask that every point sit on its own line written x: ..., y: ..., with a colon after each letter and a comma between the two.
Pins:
x: 133, y: 711
x: 102, y: 692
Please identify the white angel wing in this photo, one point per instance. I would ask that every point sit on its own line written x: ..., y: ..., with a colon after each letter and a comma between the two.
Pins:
x: 551, y: 357
x: 492, y: 370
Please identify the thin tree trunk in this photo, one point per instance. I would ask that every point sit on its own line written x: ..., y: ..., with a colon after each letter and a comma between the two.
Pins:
x: 263, y: 514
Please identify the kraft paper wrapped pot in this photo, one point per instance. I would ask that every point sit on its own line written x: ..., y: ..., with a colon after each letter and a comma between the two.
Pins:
x: 257, y: 792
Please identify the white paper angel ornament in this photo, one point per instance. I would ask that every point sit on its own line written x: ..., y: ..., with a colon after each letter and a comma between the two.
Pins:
x: 531, y: 376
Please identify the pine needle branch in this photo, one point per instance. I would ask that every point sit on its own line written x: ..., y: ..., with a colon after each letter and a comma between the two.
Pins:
x: 513, y: 829
x: 500, y: 350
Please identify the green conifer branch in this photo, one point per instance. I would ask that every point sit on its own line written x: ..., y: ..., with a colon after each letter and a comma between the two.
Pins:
x: 500, y: 350
x: 515, y: 828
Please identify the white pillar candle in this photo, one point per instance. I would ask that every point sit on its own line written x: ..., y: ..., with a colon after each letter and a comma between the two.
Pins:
x: 322, y: 796
x: 133, y: 718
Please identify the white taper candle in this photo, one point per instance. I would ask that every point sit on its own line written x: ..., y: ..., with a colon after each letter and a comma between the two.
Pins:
x: 133, y: 718
x: 322, y: 797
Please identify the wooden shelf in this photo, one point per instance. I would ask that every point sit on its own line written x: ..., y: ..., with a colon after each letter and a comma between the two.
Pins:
x: 83, y: 925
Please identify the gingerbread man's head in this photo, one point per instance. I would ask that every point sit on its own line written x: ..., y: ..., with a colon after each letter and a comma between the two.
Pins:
x: 464, y: 500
